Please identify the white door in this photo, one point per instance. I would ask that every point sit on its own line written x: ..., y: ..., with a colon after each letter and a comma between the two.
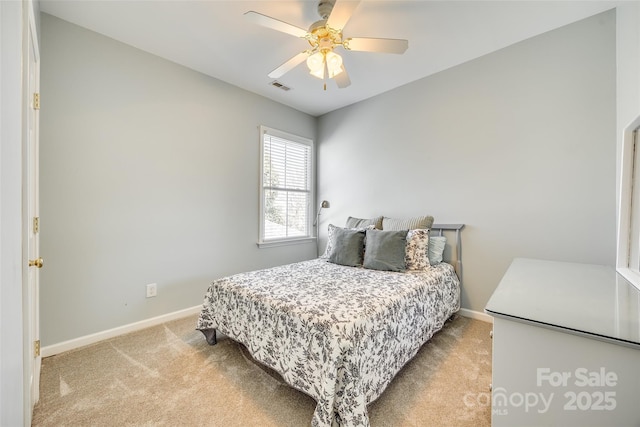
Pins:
x: 32, y: 309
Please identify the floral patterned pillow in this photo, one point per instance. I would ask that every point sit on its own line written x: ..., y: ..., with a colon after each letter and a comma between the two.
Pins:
x: 417, y: 251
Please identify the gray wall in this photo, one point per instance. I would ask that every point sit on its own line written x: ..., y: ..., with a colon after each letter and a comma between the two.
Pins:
x: 150, y: 170
x: 520, y: 145
x: 149, y: 173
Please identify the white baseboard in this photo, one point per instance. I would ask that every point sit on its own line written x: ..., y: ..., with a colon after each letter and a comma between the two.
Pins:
x: 54, y: 349
x: 475, y: 315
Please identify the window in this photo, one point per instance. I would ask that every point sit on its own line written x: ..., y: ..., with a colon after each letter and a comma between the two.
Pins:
x: 286, y: 187
x: 628, y: 259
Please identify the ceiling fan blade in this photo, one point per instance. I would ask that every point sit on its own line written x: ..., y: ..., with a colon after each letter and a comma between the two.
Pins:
x: 342, y: 79
x: 289, y: 65
x: 364, y: 44
x: 275, y: 24
x: 342, y: 11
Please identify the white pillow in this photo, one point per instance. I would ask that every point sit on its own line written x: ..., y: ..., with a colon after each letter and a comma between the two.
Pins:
x: 436, y: 249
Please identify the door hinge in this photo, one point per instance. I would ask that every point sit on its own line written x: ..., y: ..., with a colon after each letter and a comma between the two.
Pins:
x: 36, y: 224
x: 36, y: 101
x: 36, y: 348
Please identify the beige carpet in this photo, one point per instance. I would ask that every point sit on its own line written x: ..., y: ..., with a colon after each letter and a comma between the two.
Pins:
x: 168, y: 376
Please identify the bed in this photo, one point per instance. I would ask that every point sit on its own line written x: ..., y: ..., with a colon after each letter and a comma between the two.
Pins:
x: 338, y: 333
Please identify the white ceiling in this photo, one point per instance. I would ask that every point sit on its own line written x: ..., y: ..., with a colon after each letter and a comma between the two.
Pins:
x: 213, y: 37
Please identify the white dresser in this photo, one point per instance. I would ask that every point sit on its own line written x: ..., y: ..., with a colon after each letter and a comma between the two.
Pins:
x: 566, y: 346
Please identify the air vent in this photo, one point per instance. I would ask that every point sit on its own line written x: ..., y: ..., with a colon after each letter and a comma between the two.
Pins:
x: 279, y: 85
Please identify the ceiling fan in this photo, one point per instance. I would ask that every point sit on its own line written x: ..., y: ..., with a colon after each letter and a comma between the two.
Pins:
x: 324, y: 36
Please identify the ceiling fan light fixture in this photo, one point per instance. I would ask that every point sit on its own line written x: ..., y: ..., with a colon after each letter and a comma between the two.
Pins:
x: 325, y: 35
x: 318, y: 73
x: 315, y: 63
x: 334, y: 64
x: 321, y: 61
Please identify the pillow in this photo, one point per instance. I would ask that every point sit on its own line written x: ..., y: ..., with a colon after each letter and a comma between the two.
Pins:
x: 330, y: 238
x: 348, y: 247
x: 385, y: 250
x: 362, y: 223
x: 436, y: 248
x: 417, y: 253
x: 421, y: 222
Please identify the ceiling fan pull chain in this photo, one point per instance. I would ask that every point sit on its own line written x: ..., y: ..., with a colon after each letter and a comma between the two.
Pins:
x: 326, y: 72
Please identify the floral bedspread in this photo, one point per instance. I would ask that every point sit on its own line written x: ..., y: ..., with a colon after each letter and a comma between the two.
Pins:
x: 339, y: 334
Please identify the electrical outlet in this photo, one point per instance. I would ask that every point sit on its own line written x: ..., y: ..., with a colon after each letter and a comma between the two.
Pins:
x: 152, y: 290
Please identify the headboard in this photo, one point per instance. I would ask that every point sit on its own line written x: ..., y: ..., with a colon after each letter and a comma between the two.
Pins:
x: 452, y: 246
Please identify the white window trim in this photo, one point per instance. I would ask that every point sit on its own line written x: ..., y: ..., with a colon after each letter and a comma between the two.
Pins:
x: 293, y: 240
x: 625, y: 240
x: 285, y: 242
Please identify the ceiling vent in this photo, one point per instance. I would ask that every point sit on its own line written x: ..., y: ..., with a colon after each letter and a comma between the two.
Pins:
x: 279, y: 85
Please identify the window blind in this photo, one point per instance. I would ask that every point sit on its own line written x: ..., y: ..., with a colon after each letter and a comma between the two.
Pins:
x: 286, y: 188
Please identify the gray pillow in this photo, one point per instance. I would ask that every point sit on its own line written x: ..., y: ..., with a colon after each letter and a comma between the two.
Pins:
x: 348, y: 247
x: 363, y: 223
x: 407, y: 224
x: 386, y: 250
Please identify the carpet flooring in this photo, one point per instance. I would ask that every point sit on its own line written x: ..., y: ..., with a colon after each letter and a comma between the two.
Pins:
x: 168, y: 375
